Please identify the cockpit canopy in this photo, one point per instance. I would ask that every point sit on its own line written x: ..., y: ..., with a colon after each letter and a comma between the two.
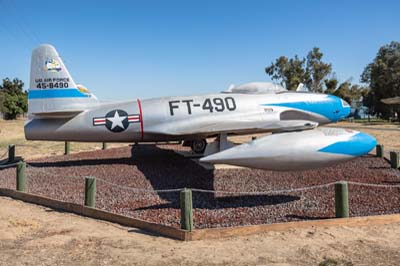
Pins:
x: 256, y: 88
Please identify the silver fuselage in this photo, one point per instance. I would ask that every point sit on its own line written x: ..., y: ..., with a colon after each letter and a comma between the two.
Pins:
x: 187, y: 118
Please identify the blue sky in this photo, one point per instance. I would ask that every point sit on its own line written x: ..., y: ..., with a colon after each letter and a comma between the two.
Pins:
x: 130, y: 49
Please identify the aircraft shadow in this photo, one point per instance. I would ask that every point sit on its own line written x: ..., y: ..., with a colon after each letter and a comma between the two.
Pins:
x: 84, y: 162
x: 306, y: 217
x: 167, y: 170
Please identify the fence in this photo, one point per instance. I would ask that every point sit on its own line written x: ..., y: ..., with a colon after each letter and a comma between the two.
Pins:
x: 188, y: 197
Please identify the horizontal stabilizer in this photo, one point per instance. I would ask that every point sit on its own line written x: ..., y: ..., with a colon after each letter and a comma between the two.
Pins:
x: 63, y: 114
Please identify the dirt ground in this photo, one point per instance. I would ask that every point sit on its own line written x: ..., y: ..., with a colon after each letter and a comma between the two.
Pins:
x: 34, y: 235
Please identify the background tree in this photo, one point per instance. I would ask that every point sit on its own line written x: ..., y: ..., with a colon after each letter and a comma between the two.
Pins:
x: 311, y: 71
x: 317, y: 70
x: 331, y: 85
x: 351, y: 93
x: 2, y: 102
x: 368, y: 101
x: 13, y: 98
x: 383, y: 77
x: 291, y: 72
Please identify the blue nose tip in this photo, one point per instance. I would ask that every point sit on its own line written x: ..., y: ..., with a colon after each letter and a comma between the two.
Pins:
x: 361, y: 144
x: 358, y: 145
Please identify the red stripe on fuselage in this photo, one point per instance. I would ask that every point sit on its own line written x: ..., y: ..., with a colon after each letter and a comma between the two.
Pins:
x: 141, y: 118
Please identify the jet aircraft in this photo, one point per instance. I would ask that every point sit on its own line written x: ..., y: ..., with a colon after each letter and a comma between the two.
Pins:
x: 61, y: 110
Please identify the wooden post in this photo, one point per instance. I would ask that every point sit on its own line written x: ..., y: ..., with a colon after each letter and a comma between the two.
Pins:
x: 341, y: 199
x: 186, y: 210
x: 380, y: 151
x: 394, y: 159
x: 104, y: 146
x: 11, y: 153
x: 67, y: 148
x: 90, y: 191
x: 21, y: 177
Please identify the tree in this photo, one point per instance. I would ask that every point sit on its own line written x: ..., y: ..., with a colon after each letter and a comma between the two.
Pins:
x: 317, y: 69
x: 383, y: 77
x: 291, y: 72
x: 368, y: 101
x: 2, y: 102
x: 351, y: 93
x: 13, y: 99
x: 331, y: 85
x: 344, y: 91
x: 310, y: 71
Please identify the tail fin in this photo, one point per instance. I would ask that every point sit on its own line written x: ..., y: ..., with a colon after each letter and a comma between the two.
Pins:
x: 52, y: 90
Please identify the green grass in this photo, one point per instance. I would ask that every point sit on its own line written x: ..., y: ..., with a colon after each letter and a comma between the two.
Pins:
x: 373, y: 121
x: 335, y: 262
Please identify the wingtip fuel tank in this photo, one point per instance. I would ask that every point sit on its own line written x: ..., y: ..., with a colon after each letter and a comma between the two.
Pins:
x: 302, y: 150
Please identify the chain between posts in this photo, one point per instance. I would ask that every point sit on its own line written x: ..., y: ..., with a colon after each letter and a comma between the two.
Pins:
x: 247, y: 192
x: 213, y: 191
x: 218, y: 191
x: 2, y: 166
x: 372, y: 185
x: 264, y: 192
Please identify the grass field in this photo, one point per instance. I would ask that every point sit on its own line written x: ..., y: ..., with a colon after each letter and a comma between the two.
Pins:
x: 12, y: 132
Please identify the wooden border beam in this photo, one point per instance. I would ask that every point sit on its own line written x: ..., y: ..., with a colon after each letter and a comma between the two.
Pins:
x: 197, y: 234
x: 163, y: 230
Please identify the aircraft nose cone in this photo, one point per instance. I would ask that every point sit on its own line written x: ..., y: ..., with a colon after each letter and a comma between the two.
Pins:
x: 340, y: 108
x: 345, y: 109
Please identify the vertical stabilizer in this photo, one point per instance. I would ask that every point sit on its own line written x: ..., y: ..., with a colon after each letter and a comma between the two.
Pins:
x: 52, y: 89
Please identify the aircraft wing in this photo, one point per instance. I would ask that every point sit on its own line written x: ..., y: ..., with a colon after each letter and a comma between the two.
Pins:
x: 229, y: 126
x: 185, y: 127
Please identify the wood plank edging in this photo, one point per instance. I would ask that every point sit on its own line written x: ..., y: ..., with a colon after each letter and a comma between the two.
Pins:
x: 163, y: 230
x: 197, y: 234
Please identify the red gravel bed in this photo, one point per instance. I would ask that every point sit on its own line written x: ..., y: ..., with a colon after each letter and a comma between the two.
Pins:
x: 158, y: 168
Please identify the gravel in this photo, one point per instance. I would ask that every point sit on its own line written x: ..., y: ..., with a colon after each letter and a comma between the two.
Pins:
x: 121, y: 172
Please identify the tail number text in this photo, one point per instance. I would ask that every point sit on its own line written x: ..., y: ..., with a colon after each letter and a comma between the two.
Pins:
x: 211, y: 105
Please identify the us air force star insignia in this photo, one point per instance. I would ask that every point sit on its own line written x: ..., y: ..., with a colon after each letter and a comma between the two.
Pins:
x: 116, y: 120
